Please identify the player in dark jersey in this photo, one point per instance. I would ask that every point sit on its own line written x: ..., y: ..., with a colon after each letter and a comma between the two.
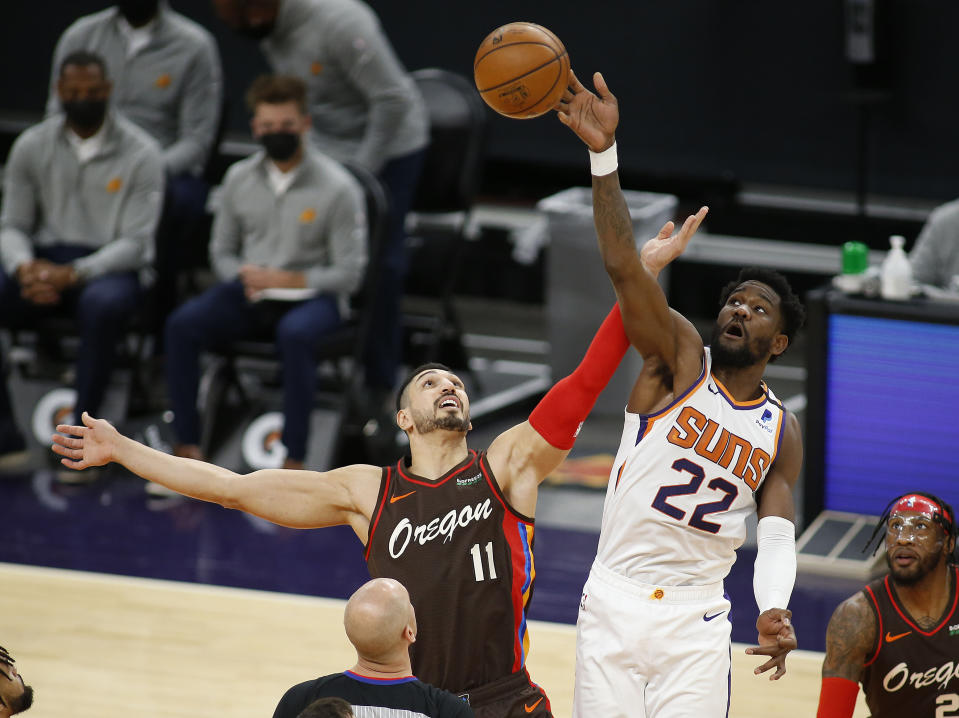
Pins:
x: 454, y: 537
x: 899, y: 636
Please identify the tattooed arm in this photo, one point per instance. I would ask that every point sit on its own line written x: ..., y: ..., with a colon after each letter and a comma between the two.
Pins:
x: 850, y: 639
x: 850, y: 642
x: 668, y: 342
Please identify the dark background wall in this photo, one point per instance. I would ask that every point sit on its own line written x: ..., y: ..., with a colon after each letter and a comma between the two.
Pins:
x: 747, y: 89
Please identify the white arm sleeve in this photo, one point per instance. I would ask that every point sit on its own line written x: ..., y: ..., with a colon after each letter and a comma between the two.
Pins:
x: 775, y: 570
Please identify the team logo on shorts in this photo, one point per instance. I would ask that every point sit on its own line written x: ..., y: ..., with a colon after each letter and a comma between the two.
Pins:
x: 657, y: 595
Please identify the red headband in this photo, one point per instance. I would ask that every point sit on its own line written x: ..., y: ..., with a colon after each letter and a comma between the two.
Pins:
x: 922, y: 504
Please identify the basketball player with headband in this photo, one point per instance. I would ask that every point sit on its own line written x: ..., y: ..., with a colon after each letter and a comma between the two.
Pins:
x: 899, y: 636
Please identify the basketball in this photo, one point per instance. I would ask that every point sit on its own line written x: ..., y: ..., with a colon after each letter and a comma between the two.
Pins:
x: 521, y: 70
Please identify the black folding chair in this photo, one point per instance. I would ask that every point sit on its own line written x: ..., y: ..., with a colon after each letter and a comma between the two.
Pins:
x: 442, y: 207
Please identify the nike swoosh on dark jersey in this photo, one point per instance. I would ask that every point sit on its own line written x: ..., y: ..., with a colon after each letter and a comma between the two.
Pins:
x: 890, y: 638
x: 394, y: 499
x: 530, y: 709
x: 715, y: 615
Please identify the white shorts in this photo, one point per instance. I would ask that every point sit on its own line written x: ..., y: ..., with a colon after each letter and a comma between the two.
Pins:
x: 651, y: 651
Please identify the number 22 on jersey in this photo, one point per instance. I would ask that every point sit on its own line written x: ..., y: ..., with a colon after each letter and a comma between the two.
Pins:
x: 697, y: 519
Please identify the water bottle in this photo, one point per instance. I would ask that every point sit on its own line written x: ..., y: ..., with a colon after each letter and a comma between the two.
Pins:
x: 896, y: 276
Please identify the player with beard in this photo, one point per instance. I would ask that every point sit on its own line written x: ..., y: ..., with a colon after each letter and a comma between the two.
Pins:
x: 453, y: 525
x: 899, y: 636
x: 705, y: 441
x: 15, y: 695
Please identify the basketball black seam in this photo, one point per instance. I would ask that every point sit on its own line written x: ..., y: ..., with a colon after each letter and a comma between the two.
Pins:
x: 530, y: 72
x: 478, y: 60
x: 536, y: 104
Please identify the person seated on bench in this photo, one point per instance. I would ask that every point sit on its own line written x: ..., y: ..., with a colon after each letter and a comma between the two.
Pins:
x: 82, y: 195
x: 291, y: 223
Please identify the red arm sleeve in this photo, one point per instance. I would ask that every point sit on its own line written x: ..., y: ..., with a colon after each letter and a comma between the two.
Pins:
x: 561, y: 413
x: 837, y: 699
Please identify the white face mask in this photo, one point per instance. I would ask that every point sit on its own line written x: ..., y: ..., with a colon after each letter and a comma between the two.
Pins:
x: 913, y: 528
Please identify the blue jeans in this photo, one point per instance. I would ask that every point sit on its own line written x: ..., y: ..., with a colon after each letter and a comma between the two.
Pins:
x: 184, y: 208
x: 221, y: 315
x: 400, y: 176
x: 102, y: 307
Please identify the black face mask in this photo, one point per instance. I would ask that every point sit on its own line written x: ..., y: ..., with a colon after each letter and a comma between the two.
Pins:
x: 138, y: 12
x: 256, y: 32
x: 280, y: 146
x: 85, y: 114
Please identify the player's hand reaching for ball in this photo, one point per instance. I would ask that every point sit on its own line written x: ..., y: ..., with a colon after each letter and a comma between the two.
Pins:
x: 593, y: 117
x: 666, y: 246
x: 776, y: 638
x: 92, y: 444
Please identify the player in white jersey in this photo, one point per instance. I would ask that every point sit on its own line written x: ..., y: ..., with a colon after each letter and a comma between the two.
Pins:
x: 704, y: 440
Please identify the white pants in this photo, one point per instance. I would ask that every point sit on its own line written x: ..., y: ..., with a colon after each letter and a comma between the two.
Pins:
x: 651, y: 651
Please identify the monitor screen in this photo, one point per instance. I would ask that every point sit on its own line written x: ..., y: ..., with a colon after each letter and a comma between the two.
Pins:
x: 891, y: 411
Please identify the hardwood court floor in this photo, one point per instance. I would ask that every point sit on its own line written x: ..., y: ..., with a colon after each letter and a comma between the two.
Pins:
x: 103, y: 646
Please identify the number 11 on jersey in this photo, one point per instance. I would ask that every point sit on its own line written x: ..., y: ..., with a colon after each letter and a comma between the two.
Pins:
x: 478, y: 561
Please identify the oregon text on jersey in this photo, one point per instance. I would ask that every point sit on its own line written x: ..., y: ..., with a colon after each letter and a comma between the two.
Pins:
x: 900, y: 676
x: 438, y: 526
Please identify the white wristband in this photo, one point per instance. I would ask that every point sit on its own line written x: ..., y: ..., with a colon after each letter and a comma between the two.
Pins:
x: 603, y: 163
x: 775, y: 570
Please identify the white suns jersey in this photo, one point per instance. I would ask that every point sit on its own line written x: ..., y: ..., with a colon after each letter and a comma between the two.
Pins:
x: 683, y: 483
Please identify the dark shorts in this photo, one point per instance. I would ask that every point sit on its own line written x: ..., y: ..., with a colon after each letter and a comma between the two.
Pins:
x: 515, y: 696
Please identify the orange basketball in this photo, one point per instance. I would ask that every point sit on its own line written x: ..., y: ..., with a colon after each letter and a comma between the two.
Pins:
x: 521, y: 70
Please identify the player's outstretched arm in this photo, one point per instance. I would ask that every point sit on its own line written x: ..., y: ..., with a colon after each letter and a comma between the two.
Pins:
x: 522, y: 456
x: 299, y: 499
x: 850, y: 639
x: 651, y: 327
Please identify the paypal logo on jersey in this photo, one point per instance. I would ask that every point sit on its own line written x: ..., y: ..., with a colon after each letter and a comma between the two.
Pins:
x: 763, y: 422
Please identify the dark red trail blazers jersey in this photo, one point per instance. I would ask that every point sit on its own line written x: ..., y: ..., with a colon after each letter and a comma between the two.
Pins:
x: 911, y: 672
x: 466, y: 557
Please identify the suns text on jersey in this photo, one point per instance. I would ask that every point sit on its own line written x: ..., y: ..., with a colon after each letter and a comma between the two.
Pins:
x: 439, y: 526
x: 717, y: 444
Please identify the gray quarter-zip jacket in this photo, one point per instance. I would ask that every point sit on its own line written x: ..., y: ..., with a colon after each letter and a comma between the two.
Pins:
x: 317, y: 226
x: 365, y: 106
x: 110, y: 203
x: 172, y: 88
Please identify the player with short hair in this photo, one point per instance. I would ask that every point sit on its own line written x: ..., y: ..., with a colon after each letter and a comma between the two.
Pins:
x: 453, y: 525
x: 899, y: 636
x: 705, y: 442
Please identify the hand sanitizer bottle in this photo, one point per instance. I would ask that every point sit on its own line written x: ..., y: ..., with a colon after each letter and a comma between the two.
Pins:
x: 896, y: 276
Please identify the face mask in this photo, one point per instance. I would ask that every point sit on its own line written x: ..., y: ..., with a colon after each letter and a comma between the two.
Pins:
x: 280, y: 146
x: 138, y: 12
x: 256, y: 32
x: 85, y: 114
